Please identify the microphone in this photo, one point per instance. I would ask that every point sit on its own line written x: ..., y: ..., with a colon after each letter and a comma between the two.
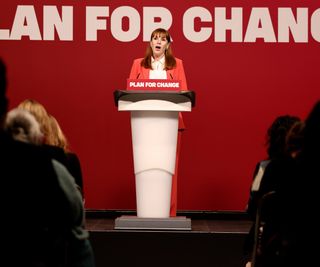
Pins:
x: 171, y: 76
x: 138, y: 75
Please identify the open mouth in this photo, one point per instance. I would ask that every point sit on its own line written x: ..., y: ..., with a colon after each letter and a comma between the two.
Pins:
x: 158, y: 47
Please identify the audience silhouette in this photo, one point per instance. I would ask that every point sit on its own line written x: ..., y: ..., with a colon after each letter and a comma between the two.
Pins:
x: 54, y: 139
x: 42, y: 210
x: 58, y: 138
x: 277, y: 151
x: 299, y: 194
x: 289, y: 227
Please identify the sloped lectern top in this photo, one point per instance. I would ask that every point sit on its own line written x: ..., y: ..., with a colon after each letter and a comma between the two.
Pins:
x: 176, y: 97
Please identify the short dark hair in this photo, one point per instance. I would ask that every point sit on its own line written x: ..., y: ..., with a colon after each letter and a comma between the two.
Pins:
x: 276, y: 135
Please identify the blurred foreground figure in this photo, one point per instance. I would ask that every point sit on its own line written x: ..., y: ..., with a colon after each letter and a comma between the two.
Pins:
x: 289, y: 221
x: 54, y: 139
x: 279, y: 152
x: 42, y: 211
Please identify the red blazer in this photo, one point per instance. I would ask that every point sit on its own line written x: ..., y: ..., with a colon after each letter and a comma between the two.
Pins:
x: 139, y: 72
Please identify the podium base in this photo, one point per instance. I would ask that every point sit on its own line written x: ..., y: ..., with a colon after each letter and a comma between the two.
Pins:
x: 136, y: 223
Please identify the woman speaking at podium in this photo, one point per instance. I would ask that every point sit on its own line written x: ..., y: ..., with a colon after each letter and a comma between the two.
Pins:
x: 159, y: 63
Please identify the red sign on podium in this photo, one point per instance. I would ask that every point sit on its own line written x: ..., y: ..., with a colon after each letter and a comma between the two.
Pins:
x: 153, y: 84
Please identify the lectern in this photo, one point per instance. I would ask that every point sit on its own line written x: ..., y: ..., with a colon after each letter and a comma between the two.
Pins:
x: 154, y: 129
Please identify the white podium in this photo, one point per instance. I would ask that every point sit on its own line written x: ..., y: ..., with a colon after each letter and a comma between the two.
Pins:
x: 154, y: 128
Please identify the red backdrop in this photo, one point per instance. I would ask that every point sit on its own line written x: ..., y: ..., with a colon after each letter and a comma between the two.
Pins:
x: 241, y: 87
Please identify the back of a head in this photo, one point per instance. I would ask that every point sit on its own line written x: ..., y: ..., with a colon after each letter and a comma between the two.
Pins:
x: 39, y: 112
x: 56, y: 137
x: 22, y: 126
x: 276, y: 135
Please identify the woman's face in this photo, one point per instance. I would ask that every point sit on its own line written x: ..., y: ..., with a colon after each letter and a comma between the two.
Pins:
x: 159, y: 44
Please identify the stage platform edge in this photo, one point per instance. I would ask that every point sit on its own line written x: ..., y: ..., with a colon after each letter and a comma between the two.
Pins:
x: 127, y: 222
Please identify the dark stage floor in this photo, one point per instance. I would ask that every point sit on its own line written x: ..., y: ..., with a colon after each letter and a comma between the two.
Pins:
x: 209, y: 226
x: 216, y: 239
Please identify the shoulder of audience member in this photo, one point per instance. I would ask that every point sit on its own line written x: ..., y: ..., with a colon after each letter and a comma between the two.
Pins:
x: 56, y: 153
x: 25, y: 158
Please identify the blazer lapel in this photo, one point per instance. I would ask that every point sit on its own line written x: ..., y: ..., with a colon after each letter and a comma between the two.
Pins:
x: 170, y: 74
x: 145, y: 73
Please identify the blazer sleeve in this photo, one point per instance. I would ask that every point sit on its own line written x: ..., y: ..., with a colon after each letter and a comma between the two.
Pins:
x: 181, y: 74
x: 135, y: 69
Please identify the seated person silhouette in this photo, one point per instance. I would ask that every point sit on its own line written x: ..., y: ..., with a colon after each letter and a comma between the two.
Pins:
x: 277, y: 151
x: 42, y: 211
x: 54, y: 139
